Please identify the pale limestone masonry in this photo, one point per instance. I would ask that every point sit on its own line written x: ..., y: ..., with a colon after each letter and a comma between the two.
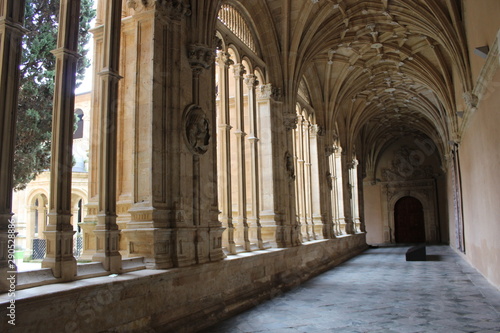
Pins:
x: 174, y: 300
x: 237, y: 147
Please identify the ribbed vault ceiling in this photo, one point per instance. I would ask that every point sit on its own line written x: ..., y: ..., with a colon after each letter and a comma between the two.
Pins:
x: 380, y: 69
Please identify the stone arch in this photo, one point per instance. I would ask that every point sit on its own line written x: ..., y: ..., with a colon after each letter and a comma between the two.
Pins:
x: 423, y: 192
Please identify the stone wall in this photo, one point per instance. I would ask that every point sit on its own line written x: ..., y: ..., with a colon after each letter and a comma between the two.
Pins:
x: 175, y: 300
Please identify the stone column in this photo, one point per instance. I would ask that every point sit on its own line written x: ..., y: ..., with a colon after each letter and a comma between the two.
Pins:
x: 348, y: 191
x: 353, y: 180
x: 255, y: 227
x: 242, y: 226
x: 59, y: 231
x: 302, y: 184
x: 328, y: 194
x: 317, y: 183
x: 225, y: 201
x: 308, y: 181
x: 339, y: 191
x: 11, y: 34
x: 106, y: 230
x: 288, y: 233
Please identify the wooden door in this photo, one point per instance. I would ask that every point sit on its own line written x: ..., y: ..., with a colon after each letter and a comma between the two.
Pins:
x: 409, y: 221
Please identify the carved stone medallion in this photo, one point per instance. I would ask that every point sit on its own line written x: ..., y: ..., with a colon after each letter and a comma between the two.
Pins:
x: 196, y: 130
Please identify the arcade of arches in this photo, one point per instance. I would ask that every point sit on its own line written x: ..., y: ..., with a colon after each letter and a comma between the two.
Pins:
x: 238, y: 148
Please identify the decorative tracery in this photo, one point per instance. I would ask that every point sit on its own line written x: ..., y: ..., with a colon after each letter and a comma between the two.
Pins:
x: 234, y: 21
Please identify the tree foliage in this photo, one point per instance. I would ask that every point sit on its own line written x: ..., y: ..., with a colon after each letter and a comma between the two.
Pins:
x: 34, y: 119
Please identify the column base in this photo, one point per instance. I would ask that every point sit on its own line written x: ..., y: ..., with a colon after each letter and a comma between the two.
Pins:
x: 216, y: 253
x: 89, y: 240
x: 350, y: 228
x: 107, y: 250
x: 59, y: 254
x: 154, y: 244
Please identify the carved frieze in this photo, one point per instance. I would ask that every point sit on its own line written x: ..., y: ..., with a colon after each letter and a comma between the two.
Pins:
x: 196, y: 130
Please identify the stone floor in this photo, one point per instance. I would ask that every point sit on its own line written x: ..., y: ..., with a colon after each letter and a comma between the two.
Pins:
x: 380, y: 292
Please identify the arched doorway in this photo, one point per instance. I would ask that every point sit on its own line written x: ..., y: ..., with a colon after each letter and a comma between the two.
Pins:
x: 409, y: 221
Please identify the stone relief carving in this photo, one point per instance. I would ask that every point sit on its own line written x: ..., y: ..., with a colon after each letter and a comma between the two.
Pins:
x: 175, y: 9
x: 407, y: 164
x: 197, y: 130
x: 290, y: 166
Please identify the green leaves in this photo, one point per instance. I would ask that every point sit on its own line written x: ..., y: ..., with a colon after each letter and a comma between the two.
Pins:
x: 34, y: 120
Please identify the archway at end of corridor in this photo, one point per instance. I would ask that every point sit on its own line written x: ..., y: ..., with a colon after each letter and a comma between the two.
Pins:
x: 409, y: 221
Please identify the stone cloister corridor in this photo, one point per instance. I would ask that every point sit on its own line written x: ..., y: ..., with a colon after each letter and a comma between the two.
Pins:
x: 237, y: 149
x: 379, y: 292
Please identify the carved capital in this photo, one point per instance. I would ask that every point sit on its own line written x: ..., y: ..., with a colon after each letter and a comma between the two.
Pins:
x: 174, y: 9
x: 251, y: 81
x: 200, y: 57
x: 265, y: 91
x: 330, y: 150
x: 268, y: 91
x: 471, y: 100
x: 138, y: 5
x: 239, y: 71
x: 353, y: 164
x: 224, y: 59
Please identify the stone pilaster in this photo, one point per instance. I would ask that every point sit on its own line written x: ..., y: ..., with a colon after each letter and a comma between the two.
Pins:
x: 106, y: 230
x: 198, y: 133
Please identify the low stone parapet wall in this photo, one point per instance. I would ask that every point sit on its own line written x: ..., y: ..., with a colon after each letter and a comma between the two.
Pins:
x: 174, y: 300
